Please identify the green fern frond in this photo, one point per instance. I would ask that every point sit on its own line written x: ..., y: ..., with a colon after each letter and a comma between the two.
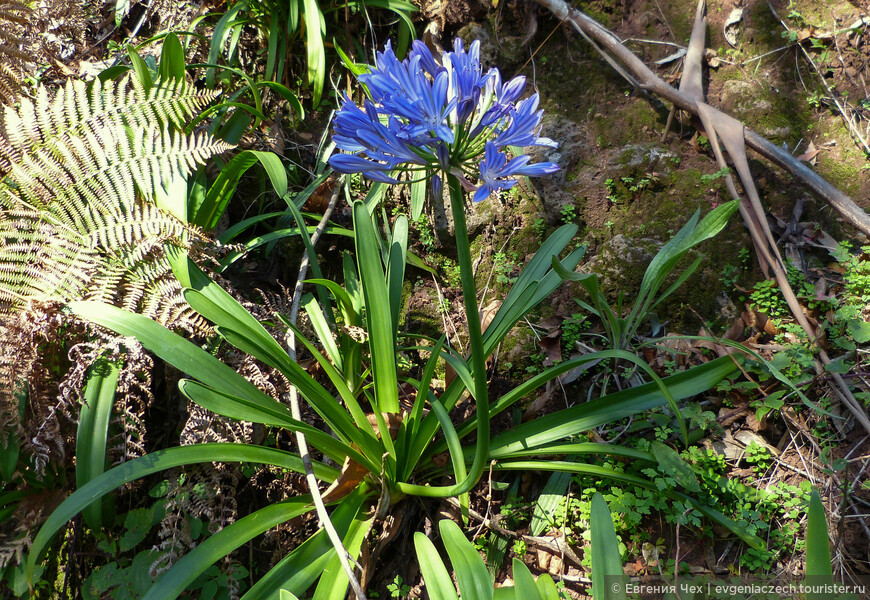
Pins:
x: 78, y: 174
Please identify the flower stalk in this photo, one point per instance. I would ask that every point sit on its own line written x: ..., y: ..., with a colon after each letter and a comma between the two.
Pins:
x: 447, y: 121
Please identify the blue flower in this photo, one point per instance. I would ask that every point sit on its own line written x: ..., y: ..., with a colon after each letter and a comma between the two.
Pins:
x: 437, y: 116
x: 524, y: 122
x: 496, y: 171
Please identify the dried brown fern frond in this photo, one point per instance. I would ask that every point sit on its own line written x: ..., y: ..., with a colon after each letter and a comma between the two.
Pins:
x: 16, y: 50
x: 82, y: 173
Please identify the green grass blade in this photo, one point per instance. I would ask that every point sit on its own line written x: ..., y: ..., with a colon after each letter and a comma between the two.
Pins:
x: 402, y: 9
x: 222, y: 543
x: 314, y: 25
x: 93, y: 431
x: 608, y: 582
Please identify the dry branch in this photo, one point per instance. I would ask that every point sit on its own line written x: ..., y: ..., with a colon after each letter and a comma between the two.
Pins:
x: 648, y: 81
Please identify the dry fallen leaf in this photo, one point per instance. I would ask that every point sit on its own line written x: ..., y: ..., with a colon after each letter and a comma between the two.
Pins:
x: 352, y: 473
x: 732, y: 25
x: 810, y: 154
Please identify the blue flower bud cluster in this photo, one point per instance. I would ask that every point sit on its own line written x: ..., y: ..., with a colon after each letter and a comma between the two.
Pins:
x: 436, y: 116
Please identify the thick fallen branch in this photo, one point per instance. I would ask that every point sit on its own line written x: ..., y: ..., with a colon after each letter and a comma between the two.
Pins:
x: 648, y: 81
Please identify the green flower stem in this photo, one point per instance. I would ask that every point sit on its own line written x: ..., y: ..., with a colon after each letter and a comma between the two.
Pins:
x: 478, y: 358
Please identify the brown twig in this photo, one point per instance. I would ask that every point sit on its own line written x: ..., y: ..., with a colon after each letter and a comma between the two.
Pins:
x: 310, y: 479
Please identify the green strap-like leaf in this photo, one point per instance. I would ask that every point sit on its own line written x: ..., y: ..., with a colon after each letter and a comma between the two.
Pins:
x: 182, y: 354
x: 439, y: 584
x: 93, y: 430
x: 547, y: 587
x: 322, y: 329
x: 243, y: 410
x: 396, y: 269
x: 333, y: 583
x: 154, y: 463
x: 172, y: 64
x: 471, y: 573
x: 215, y: 547
x: 314, y: 24
x: 548, y: 501
x: 524, y: 583
x: 141, y: 69
x: 382, y: 344
x: 297, y: 571
x: 819, y: 569
x: 570, y: 421
x: 222, y: 30
x: 608, y: 581
x: 418, y: 197
x: 221, y: 191
x: 671, y: 464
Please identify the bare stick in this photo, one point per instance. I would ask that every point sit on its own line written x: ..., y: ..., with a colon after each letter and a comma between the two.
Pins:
x: 650, y: 82
x: 310, y: 479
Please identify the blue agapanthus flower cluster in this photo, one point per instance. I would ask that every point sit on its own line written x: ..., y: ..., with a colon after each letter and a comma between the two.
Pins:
x: 432, y: 117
